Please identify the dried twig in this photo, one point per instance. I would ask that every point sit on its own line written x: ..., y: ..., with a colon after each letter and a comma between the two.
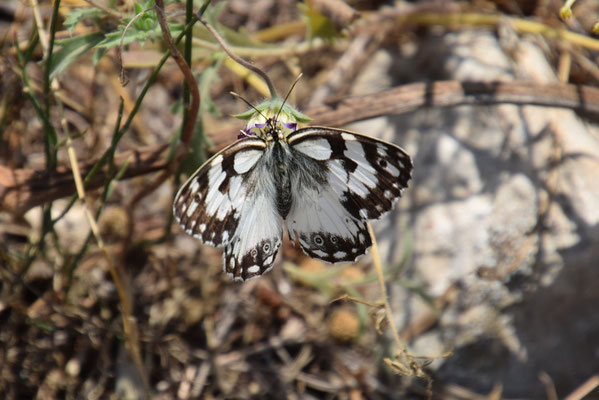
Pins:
x: 587, y: 387
x: 410, y: 97
x: 416, y: 16
x: 339, y: 78
x: 119, y: 52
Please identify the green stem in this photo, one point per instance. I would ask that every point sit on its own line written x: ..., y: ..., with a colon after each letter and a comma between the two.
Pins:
x: 189, y: 16
x: 50, y: 137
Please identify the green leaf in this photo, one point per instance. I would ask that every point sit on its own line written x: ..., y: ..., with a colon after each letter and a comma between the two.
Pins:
x: 196, y: 155
x: 138, y: 8
x: 113, y: 39
x: 71, y: 49
x: 213, y: 12
x: 318, y: 25
x: 207, y: 79
x: 98, y: 54
x: 78, y: 14
x: 273, y: 106
x: 116, y: 178
x: 73, y: 137
x: 323, y: 280
x: 233, y: 37
x: 144, y: 27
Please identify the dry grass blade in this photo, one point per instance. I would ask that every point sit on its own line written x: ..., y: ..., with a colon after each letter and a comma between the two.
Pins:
x: 129, y: 324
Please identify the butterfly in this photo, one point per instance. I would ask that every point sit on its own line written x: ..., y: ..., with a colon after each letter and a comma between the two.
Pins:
x: 323, y: 183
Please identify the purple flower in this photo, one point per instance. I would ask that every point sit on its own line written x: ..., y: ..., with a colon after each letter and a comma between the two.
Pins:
x: 290, y: 125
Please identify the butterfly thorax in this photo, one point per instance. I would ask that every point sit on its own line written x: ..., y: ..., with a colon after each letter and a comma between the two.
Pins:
x: 270, y: 130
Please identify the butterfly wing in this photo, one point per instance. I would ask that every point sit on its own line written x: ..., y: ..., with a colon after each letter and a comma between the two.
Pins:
x: 229, y: 202
x: 362, y: 177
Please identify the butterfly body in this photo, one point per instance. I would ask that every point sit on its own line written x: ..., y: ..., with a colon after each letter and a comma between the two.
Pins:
x: 324, y: 183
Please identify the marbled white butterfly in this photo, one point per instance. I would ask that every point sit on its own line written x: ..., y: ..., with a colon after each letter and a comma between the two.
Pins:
x: 324, y: 183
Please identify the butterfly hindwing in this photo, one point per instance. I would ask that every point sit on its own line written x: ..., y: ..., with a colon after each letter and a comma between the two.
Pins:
x: 325, y: 229
x: 364, y: 179
x: 229, y: 202
x: 253, y: 248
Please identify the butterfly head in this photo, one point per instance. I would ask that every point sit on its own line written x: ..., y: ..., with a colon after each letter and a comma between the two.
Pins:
x: 272, y: 120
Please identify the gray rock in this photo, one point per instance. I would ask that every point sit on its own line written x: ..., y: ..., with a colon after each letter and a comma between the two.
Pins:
x: 504, y: 205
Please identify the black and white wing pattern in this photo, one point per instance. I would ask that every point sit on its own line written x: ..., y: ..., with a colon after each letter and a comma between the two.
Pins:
x: 229, y: 202
x: 359, y: 178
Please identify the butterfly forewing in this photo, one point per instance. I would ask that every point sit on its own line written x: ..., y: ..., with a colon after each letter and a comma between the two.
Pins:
x: 364, y: 178
x: 226, y: 203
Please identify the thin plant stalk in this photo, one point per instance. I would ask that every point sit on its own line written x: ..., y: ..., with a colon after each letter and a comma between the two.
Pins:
x: 241, y: 61
x: 405, y: 364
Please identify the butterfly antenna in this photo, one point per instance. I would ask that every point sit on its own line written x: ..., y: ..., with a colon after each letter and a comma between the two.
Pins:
x: 288, y: 93
x: 248, y: 103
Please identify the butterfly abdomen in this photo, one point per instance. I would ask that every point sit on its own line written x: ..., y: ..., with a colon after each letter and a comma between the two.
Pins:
x: 280, y: 168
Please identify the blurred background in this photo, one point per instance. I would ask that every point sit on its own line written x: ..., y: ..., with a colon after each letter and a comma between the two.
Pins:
x: 491, y: 259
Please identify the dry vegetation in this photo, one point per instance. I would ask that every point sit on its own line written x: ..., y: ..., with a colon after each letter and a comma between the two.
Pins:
x: 138, y: 308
